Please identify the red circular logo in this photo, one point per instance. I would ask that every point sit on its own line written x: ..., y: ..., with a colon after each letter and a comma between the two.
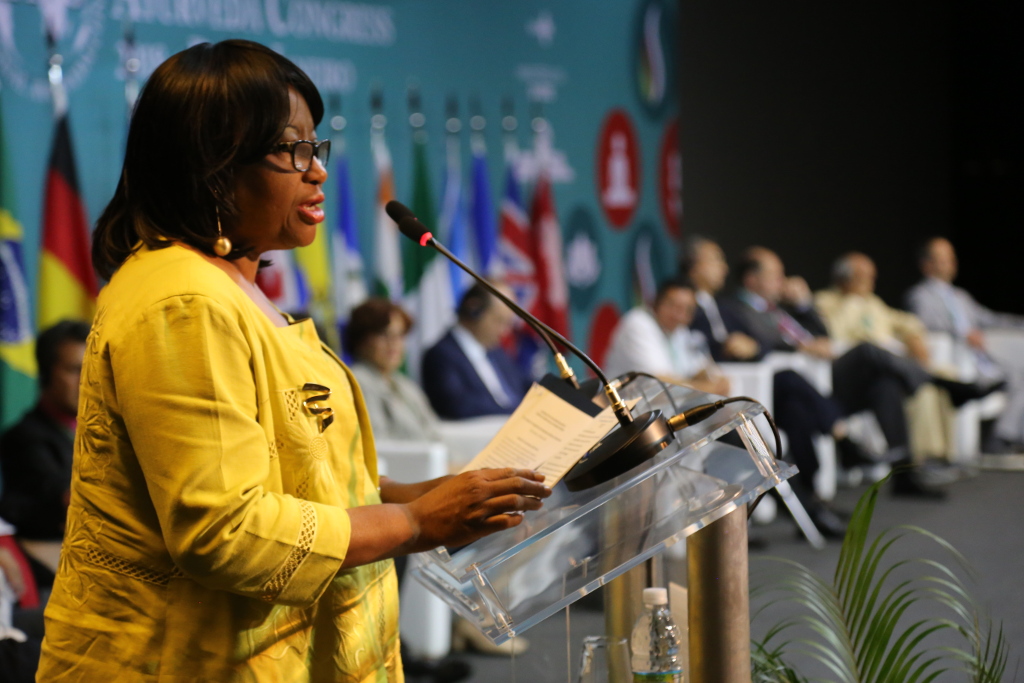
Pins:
x: 618, y: 168
x: 670, y: 179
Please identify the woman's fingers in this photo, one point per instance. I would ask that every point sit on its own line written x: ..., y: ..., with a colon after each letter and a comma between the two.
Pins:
x: 501, y: 522
x: 520, y: 485
x: 511, y: 473
x: 509, y: 503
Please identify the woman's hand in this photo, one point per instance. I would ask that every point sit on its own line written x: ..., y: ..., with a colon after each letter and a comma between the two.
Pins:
x: 392, y: 491
x: 461, y: 509
x: 449, y: 511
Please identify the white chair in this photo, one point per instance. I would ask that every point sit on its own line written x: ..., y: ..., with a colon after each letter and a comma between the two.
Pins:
x: 426, y: 621
x: 756, y: 380
x: 1006, y: 346
x: 955, y: 357
x: 466, y: 438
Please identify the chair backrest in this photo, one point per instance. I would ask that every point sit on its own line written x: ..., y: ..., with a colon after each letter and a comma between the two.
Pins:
x: 1006, y: 346
x: 465, y: 438
x: 751, y: 379
x: 412, y: 461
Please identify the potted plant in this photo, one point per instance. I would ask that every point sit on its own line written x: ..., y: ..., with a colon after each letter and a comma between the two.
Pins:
x: 886, y: 617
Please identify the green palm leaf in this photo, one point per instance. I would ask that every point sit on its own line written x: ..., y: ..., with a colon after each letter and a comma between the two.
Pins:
x: 866, y: 626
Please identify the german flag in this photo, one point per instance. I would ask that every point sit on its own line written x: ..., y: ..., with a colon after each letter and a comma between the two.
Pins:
x: 67, y: 282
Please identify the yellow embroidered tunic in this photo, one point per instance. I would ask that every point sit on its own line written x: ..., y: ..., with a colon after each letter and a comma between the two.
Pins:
x: 208, y: 522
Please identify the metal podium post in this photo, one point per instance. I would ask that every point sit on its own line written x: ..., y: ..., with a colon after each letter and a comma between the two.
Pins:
x: 719, y: 601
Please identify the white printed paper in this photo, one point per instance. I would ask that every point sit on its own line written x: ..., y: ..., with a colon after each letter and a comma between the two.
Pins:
x: 546, y: 434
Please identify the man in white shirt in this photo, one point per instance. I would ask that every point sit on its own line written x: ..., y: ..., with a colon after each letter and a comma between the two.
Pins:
x: 658, y: 341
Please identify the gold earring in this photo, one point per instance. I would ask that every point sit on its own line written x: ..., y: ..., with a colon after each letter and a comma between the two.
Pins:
x: 222, y: 247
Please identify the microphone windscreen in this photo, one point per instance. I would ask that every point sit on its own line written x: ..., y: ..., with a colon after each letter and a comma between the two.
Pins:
x: 407, y: 221
x: 398, y: 211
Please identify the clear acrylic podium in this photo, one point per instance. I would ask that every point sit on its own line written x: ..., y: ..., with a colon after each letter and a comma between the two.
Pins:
x: 510, y: 581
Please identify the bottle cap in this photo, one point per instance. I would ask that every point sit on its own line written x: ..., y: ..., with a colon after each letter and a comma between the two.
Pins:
x: 655, y: 596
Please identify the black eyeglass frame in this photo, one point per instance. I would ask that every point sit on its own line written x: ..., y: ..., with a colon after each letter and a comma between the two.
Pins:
x: 317, y: 145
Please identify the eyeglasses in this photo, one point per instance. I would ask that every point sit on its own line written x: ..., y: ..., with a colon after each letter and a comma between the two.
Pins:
x: 303, y: 151
x: 390, y: 337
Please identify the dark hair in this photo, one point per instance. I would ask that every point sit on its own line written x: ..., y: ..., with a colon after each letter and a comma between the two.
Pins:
x: 749, y: 263
x: 842, y: 268
x: 372, y: 317
x: 688, y: 253
x: 474, y: 303
x: 203, y: 113
x: 50, y: 340
x: 668, y: 285
x: 923, y: 250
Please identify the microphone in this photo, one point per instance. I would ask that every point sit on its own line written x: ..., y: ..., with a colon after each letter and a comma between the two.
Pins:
x: 411, y: 227
x: 634, y: 441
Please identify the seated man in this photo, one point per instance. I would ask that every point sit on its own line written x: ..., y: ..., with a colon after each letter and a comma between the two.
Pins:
x: 704, y: 264
x: 35, y: 454
x: 854, y: 314
x: 779, y: 312
x: 800, y: 409
x: 657, y: 341
x: 943, y: 307
x: 467, y: 373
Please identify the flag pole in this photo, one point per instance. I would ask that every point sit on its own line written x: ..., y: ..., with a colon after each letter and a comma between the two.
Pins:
x: 131, y: 69
x: 55, y: 74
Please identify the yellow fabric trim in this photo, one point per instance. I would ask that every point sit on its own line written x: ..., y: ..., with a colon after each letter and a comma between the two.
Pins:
x: 302, y: 547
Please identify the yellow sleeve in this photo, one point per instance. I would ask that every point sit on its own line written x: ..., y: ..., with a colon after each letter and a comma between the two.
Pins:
x: 186, y: 389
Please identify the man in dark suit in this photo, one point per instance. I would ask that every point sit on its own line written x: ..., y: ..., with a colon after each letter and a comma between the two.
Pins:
x: 704, y: 265
x: 35, y: 454
x: 800, y: 410
x: 779, y: 313
x: 467, y: 373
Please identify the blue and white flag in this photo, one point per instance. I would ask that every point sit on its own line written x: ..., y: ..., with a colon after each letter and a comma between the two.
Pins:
x: 482, y: 217
x: 453, y: 226
x: 346, y: 257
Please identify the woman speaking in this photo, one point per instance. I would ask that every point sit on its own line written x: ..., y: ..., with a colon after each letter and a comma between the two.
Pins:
x: 227, y: 522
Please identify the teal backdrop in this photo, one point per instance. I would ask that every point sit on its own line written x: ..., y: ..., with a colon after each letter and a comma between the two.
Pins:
x: 577, y: 58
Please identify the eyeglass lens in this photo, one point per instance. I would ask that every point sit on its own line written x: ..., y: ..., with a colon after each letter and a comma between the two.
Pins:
x: 304, y: 154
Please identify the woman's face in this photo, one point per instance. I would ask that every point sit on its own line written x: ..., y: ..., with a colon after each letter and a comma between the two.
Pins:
x: 386, y: 350
x: 279, y: 207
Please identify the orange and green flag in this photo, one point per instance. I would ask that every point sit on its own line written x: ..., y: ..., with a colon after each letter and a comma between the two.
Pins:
x: 67, y: 282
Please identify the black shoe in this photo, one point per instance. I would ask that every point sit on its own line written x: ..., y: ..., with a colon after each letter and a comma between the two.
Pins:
x: 827, y: 521
x: 962, y: 392
x: 852, y: 454
x: 995, y: 445
x: 906, y: 484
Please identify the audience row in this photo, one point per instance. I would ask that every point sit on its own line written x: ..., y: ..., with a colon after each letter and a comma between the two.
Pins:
x: 879, y: 358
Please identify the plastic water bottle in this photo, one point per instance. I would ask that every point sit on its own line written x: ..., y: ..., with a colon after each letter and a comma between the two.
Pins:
x: 655, y: 642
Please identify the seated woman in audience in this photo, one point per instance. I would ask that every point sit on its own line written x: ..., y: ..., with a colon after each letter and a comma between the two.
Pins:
x: 376, y: 338
x: 399, y: 410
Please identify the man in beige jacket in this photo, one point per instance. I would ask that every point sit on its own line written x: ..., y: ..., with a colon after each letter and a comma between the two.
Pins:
x: 854, y: 314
